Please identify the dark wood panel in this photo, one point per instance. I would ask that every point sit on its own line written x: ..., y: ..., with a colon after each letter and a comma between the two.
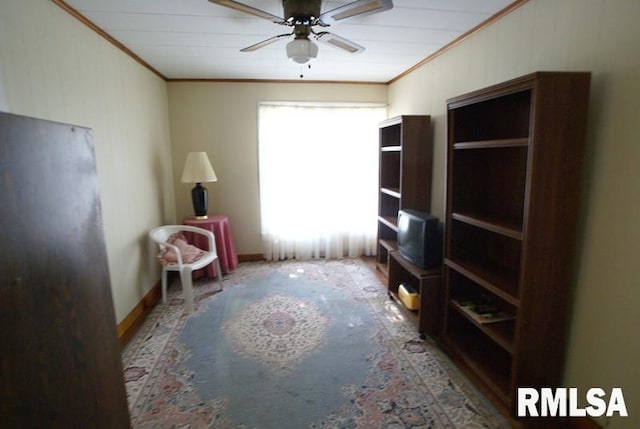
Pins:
x: 417, y: 160
x: 405, y: 165
x: 559, y: 130
x: 60, y: 357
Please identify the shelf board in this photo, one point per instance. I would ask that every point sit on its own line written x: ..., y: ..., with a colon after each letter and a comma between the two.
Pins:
x: 390, y: 221
x: 394, y: 122
x: 488, y: 144
x: 501, y: 284
x: 509, y: 229
x: 390, y: 245
x: 417, y: 271
x: 500, y: 332
x: 393, y: 192
x: 391, y: 149
x: 481, y: 365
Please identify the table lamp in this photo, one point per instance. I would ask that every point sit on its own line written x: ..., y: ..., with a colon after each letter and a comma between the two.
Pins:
x: 198, y: 169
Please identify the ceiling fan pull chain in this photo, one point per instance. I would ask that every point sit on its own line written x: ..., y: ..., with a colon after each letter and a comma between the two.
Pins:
x: 302, y: 71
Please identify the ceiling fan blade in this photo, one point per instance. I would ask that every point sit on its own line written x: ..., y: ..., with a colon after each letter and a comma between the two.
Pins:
x: 250, y: 10
x: 339, y: 42
x: 356, y: 8
x: 265, y: 42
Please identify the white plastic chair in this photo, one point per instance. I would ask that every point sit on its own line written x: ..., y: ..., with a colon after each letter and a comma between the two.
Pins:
x: 160, y: 235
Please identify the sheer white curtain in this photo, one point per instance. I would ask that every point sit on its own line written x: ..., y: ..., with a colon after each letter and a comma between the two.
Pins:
x: 318, y: 179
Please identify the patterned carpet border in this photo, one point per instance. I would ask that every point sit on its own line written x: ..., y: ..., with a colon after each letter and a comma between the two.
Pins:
x: 452, y: 399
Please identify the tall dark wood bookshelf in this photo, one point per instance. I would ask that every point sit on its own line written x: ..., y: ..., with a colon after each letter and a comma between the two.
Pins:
x: 514, y: 165
x: 406, y: 152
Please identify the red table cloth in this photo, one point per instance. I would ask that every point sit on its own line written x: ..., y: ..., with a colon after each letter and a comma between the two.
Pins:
x: 219, y: 225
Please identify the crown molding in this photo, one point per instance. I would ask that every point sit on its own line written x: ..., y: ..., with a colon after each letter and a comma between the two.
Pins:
x: 495, y: 17
x: 73, y: 12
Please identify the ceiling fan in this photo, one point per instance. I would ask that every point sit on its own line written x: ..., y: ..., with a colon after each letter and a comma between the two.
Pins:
x: 303, y: 15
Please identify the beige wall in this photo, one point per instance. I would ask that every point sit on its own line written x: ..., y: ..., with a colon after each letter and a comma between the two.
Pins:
x: 221, y: 119
x: 53, y: 67
x: 602, y: 37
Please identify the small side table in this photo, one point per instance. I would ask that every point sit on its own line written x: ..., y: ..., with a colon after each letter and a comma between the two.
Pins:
x: 219, y: 225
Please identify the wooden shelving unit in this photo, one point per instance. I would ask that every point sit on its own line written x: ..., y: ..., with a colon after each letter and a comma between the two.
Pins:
x: 406, y: 152
x: 428, y: 284
x: 514, y: 163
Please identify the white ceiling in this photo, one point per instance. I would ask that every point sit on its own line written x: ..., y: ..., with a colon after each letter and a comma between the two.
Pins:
x: 196, y: 39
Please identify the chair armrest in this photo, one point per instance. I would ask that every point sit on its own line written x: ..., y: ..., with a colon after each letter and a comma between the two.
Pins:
x: 176, y: 251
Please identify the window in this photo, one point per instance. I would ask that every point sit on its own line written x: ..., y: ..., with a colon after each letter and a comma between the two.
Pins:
x: 318, y: 179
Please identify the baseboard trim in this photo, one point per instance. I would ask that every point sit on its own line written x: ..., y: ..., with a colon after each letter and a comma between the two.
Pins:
x: 254, y: 257
x: 130, y: 324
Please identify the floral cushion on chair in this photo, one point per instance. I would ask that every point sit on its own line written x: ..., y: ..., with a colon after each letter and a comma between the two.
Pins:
x: 188, y: 252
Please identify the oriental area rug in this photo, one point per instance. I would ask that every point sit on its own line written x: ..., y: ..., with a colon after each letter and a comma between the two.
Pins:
x: 294, y: 344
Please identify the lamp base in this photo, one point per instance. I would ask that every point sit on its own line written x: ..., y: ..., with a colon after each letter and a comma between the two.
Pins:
x: 201, y: 217
x: 199, y: 200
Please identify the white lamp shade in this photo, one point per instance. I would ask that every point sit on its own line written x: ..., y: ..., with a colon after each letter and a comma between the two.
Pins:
x: 301, y: 50
x: 198, y: 169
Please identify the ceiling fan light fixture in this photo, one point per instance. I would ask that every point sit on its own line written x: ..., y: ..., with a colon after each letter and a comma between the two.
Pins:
x: 303, y: 15
x: 302, y: 50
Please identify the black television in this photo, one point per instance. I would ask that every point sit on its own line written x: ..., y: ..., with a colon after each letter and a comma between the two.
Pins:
x: 420, y: 238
